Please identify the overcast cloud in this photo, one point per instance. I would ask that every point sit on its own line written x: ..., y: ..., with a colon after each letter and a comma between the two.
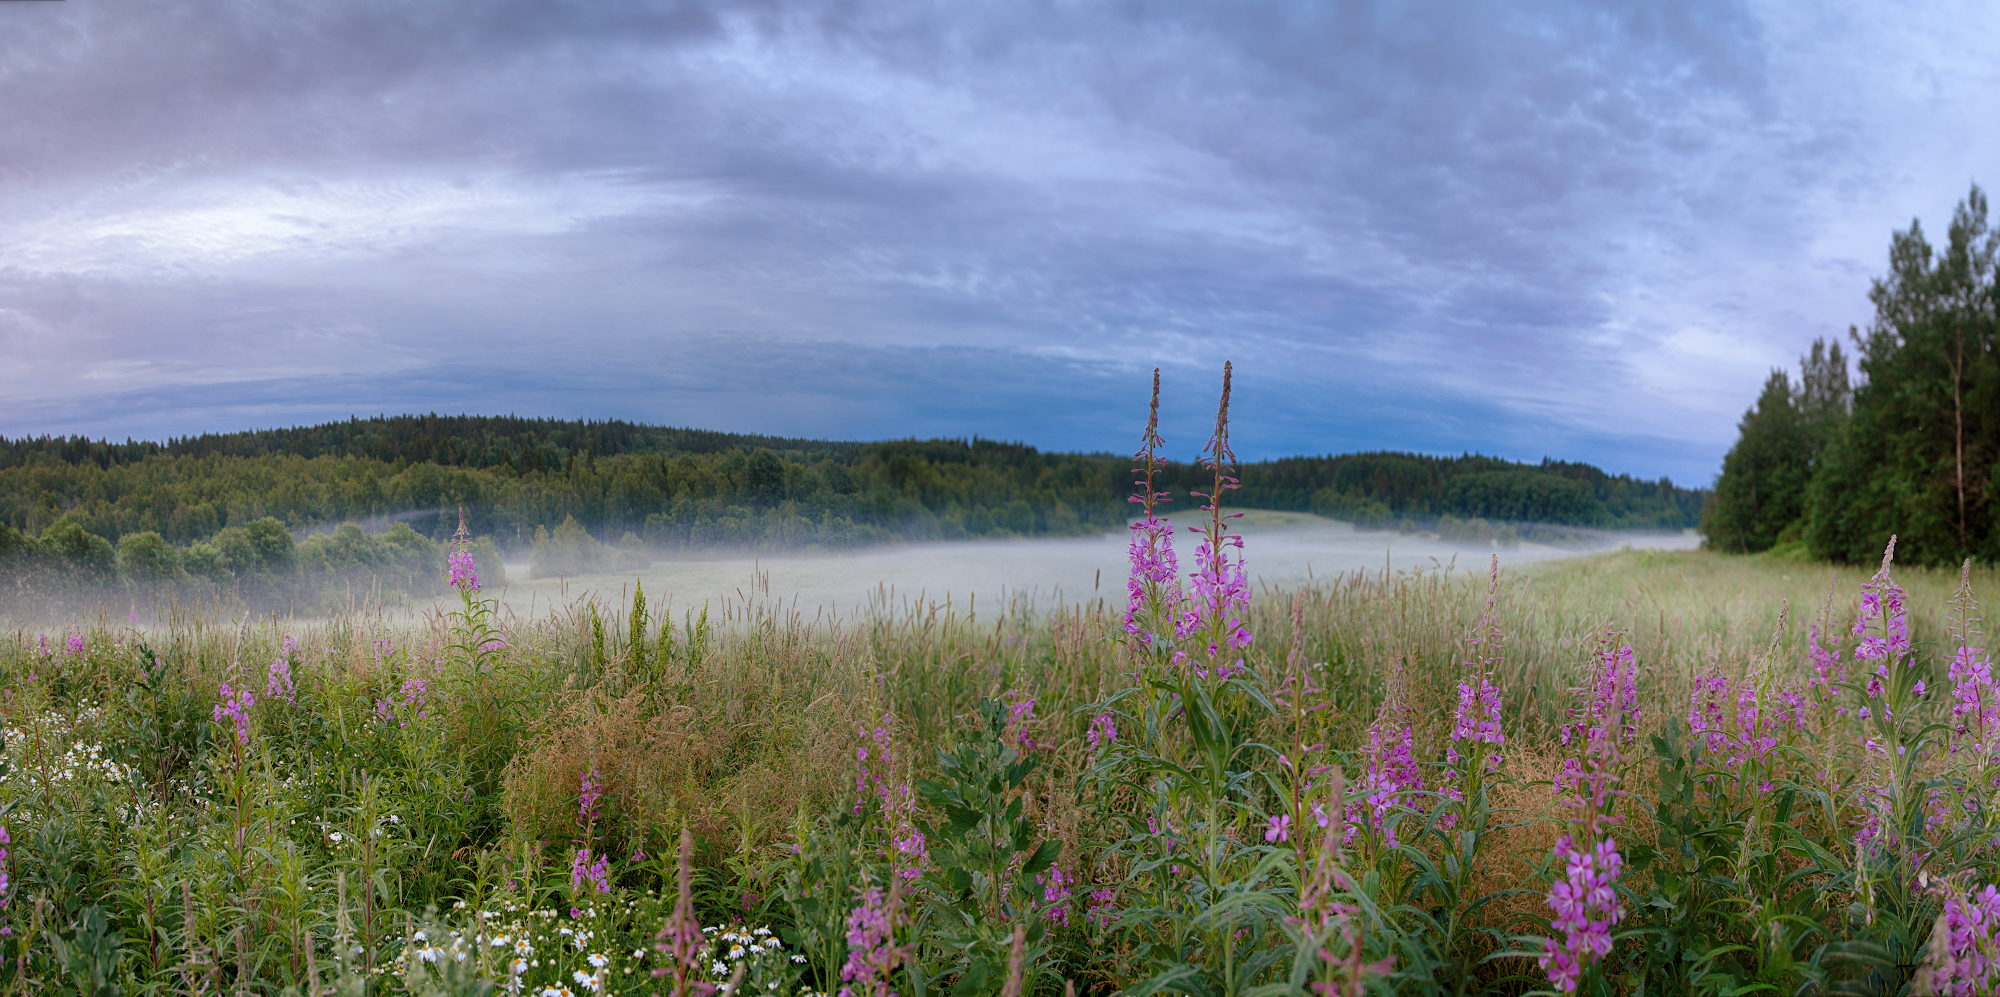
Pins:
x: 1583, y: 231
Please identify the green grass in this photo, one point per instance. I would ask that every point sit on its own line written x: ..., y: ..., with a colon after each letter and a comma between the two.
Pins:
x: 149, y: 855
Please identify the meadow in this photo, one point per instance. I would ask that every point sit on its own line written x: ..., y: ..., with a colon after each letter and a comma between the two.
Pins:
x: 1639, y: 772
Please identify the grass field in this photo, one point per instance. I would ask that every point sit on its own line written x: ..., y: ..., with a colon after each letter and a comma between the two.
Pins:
x: 418, y: 807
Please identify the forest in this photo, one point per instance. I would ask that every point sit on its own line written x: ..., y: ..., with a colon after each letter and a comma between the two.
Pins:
x: 1831, y: 467
x: 293, y: 509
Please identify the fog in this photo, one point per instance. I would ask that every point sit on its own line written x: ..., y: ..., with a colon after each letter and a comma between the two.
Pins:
x: 1280, y: 550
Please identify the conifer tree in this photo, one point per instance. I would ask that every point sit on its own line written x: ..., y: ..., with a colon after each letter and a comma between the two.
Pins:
x: 1763, y: 483
x: 1917, y: 456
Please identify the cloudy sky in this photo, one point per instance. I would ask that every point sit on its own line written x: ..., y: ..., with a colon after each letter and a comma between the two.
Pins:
x: 1540, y: 229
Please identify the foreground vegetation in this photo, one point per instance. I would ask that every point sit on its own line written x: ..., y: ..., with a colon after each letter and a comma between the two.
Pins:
x: 1641, y: 773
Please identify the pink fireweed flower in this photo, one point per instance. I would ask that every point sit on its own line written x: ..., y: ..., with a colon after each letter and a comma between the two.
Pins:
x: 4, y: 882
x: 464, y: 573
x: 1601, y: 728
x: 1706, y: 711
x: 1975, y: 707
x: 1882, y: 603
x: 1586, y: 907
x: 236, y: 706
x: 1058, y: 894
x: 1103, y: 733
x: 877, y: 779
x: 1826, y: 670
x: 74, y: 644
x: 1103, y: 906
x: 1390, y: 776
x: 279, y: 684
x: 1966, y: 961
x: 590, y: 790
x: 1477, y: 719
x: 1220, y: 584
x: 872, y: 953
x: 1020, y: 721
x: 1154, y: 607
x: 583, y: 870
x: 1279, y: 829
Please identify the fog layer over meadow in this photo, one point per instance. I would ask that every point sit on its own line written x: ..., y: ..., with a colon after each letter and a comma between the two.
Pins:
x: 1280, y: 549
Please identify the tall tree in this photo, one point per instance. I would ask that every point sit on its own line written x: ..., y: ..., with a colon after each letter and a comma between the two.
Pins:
x: 1763, y: 483
x: 1916, y: 458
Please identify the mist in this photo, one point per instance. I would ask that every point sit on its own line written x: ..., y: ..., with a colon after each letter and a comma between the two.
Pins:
x: 1281, y: 550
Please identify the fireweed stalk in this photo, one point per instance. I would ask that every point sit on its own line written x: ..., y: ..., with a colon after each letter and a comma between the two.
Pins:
x: 1156, y: 614
x: 477, y: 636
x: 1975, y: 699
x: 1584, y: 900
x: 582, y: 869
x: 1390, y: 779
x: 1477, y: 739
x: 1220, y: 583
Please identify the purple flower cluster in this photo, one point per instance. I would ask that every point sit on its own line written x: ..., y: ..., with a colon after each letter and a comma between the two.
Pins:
x: 1968, y: 961
x: 1220, y: 587
x: 1103, y: 733
x: 872, y: 953
x: 4, y: 883
x: 1586, y: 906
x: 1154, y: 603
x: 279, y: 684
x: 412, y: 705
x: 236, y: 706
x: 1477, y: 721
x: 1390, y: 777
x: 1058, y: 894
x: 464, y: 573
x: 1154, y: 611
x: 1601, y: 728
x: 583, y: 870
x: 680, y: 938
x: 1019, y: 731
x: 1103, y: 906
x: 590, y: 789
x: 875, y: 777
x: 73, y: 645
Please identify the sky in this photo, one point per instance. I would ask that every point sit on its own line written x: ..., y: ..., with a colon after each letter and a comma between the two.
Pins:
x: 1569, y: 230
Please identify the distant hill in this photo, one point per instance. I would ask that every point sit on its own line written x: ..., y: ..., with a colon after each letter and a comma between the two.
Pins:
x: 607, y: 483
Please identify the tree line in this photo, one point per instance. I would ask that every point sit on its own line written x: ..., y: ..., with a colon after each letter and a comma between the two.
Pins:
x: 229, y: 510
x: 1833, y: 466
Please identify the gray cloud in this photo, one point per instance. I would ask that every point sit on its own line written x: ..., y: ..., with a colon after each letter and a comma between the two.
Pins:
x: 1575, y: 230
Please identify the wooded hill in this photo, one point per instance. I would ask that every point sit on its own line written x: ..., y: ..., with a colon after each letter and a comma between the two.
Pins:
x: 590, y: 495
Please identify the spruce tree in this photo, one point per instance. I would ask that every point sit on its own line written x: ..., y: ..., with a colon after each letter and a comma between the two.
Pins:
x: 1762, y: 488
x: 1917, y: 456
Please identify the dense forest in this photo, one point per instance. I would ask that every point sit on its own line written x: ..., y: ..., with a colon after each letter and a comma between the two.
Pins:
x: 228, y: 510
x: 1833, y: 469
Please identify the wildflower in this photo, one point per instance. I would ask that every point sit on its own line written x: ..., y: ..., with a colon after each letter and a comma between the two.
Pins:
x: 1391, y: 771
x: 74, y: 645
x: 1586, y: 906
x: 1020, y: 714
x: 4, y: 883
x: 1102, y: 734
x: 1153, y: 607
x: 872, y: 954
x: 592, y: 790
x: 680, y: 939
x: 1056, y: 894
x: 1965, y: 946
x: 279, y: 684
x: 1280, y: 829
x: 1220, y: 584
x: 236, y: 706
x: 464, y: 573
